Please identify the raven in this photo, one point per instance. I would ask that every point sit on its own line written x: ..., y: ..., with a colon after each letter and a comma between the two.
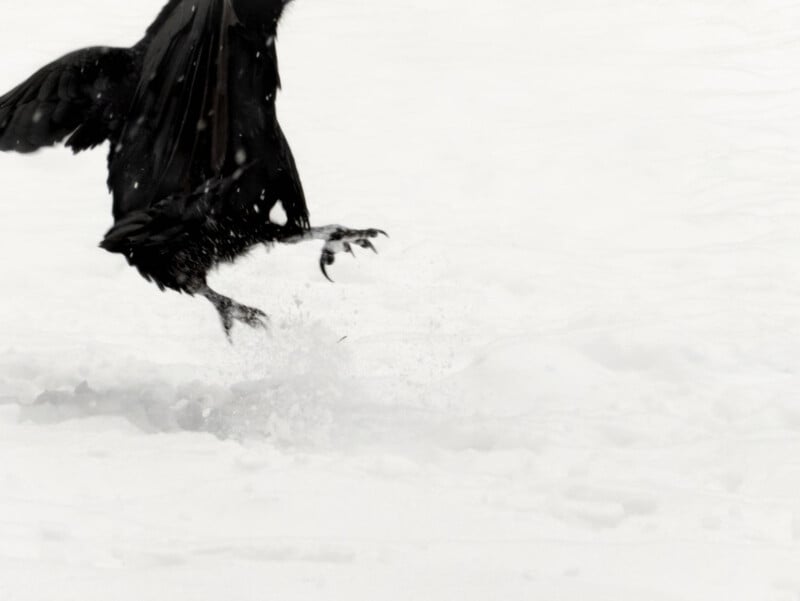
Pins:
x: 197, y: 159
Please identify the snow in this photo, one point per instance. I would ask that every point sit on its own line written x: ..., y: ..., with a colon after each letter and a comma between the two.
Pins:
x: 571, y: 373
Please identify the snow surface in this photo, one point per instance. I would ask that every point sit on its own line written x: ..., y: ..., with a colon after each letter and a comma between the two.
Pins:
x: 572, y: 374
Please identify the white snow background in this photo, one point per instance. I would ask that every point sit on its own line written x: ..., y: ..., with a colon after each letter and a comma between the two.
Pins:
x: 571, y: 374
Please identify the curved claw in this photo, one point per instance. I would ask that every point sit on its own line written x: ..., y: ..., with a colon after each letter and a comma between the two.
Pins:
x: 340, y: 239
x: 364, y: 243
x: 326, y: 259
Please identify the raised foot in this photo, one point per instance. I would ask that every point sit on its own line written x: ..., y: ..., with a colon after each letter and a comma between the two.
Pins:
x: 230, y: 312
x: 343, y: 239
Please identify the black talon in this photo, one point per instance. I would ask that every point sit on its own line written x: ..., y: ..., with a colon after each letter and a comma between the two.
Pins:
x: 338, y: 239
x: 327, y: 258
x: 364, y: 243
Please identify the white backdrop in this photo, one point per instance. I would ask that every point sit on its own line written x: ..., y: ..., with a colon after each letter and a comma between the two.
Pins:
x: 571, y: 374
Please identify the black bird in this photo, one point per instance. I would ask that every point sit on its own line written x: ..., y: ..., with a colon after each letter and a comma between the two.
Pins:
x: 197, y: 159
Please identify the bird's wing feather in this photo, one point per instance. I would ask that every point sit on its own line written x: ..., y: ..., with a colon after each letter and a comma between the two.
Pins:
x: 179, y: 104
x: 179, y: 132
x: 84, y: 93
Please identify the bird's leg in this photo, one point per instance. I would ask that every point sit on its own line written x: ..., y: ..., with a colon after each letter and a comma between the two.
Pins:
x: 337, y: 239
x: 229, y: 311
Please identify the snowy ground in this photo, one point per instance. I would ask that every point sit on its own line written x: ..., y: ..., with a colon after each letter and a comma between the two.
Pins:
x: 571, y: 375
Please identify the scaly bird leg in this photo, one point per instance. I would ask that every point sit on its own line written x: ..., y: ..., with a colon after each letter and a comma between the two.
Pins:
x: 229, y: 311
x: 337, y: 239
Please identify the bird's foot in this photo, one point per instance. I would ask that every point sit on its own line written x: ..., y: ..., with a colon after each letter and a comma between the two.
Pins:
x: 343, y: 239
x: 250, y: 316
x: 230, y: 312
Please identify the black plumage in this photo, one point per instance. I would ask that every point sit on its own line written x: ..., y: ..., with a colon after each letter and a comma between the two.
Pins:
x: 197, y: 159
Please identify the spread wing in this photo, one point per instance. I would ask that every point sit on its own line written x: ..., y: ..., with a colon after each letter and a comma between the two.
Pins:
x: 84, y: 93
x: 178, y: 128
